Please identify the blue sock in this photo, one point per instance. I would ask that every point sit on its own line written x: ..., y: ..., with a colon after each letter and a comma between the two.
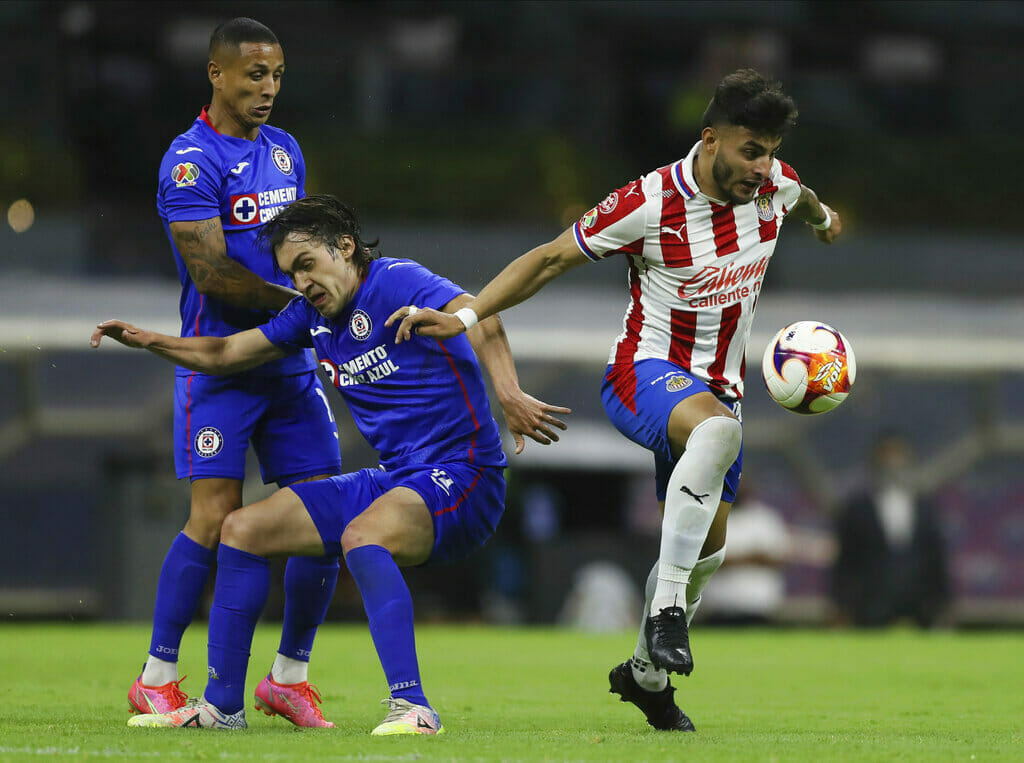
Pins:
x: 388, y: 606
x: 182, y: 579
x: 243, y: 582
x: 309, y: 583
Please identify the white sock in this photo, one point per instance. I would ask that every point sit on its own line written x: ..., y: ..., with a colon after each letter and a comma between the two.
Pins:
x: 158, y: 672
x: 691, y: 502
x: 287, y: 670
x: 644, y: 673
x: 702, y: 572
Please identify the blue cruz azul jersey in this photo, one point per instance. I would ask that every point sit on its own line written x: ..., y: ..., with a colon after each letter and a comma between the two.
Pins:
x: 206, y: 174
x: 422, y: 401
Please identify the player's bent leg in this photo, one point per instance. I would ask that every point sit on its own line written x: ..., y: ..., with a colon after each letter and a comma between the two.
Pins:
x: 691, y: 505
x: 397, y: 528
x: 183, y: 577
x: 277, y: 525
x: 281, y: 525
x: 398, y: 521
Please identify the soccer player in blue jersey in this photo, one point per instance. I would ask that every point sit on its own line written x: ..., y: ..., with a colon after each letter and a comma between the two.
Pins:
x: 219, y: 182
x: 439, y: 491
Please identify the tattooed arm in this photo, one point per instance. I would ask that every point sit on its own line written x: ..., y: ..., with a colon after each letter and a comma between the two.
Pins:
x: 202, y: 247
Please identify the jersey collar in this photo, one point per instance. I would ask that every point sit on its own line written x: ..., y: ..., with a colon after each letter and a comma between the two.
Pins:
x: 205, y: 117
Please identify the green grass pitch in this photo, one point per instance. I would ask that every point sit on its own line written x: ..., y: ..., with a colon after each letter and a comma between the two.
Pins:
x: 542, y: 694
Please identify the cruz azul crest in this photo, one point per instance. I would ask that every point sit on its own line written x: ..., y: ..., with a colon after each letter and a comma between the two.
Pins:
x: 359, y: 325
x: 282, y: 160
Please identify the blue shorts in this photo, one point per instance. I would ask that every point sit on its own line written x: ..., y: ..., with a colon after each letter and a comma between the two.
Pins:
x: 639, y: 398
x: 286, y: 418
x: 465, y: 501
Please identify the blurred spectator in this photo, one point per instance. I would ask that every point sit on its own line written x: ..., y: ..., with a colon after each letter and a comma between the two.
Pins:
x: 891, y: 563
x: 750, y: 586
x: 603, y: 599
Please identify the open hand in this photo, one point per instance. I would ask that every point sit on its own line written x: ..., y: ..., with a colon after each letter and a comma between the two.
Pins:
x: 526, y: 415
x: 125, y: 333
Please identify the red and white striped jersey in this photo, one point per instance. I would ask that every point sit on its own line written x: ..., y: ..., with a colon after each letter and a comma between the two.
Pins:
x: 695, y: 267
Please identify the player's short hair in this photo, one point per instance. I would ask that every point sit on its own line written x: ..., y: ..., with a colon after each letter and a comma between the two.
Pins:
x: 746, y: 98
x: 238, y: 30
x: 322, y: 219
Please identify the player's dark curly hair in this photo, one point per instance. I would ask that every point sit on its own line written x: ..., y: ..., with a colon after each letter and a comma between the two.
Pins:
x: 236, y: 31
x: 747, y: 99
x: 322, y: 219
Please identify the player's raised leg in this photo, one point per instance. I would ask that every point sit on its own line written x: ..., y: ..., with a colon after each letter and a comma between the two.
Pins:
x: 279, y: 525
x: 396, y: 529
x: 179, y: 590
x: 708, y: 437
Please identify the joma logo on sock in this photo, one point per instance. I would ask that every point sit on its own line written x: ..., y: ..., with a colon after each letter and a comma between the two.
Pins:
x: 402, y: 685
x: 166, y: 650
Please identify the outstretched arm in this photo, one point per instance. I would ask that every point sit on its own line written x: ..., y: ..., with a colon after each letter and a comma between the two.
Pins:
x: 524, y: 414
x: 813, y: 212
x: 206, y: 354
x: 202, y: 247
x: 519, y: 281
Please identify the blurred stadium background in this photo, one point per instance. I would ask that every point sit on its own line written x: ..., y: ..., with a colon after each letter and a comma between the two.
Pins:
x: 466, y: 133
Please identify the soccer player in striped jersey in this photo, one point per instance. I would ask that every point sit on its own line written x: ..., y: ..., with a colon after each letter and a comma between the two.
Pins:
x: 440, y: 488
x: 697, y: 236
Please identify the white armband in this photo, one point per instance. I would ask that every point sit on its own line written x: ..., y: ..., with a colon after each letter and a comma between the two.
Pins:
x: 824, y: 224
x: 467, y: 316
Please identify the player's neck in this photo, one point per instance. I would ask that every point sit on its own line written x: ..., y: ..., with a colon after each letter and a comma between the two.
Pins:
x: 224, y: 122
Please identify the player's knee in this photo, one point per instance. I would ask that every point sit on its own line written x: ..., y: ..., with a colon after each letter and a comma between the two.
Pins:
x: 238, y: 532
x: 209, y: 515
x: 358, y: 533
x: 719, y: 437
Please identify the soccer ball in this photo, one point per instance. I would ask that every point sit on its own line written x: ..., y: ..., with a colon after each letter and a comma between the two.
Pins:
x: 809, y: 367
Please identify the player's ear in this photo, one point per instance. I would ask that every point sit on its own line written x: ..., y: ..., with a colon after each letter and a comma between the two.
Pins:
x: 213, y: 72
x: 709, y: 138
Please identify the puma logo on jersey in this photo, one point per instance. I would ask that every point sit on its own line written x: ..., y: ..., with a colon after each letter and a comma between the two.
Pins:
x: 237, y: 169
x: 677, y: 233
x: 697, y: 498
x: 187, y: 150
x: 320, y: 330
x: 633, y: 190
